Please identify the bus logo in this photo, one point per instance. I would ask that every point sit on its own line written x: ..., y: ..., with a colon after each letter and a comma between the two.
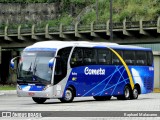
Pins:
x: 99, y: 71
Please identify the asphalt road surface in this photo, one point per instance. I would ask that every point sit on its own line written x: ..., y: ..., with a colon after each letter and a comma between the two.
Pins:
x: 147, y: 102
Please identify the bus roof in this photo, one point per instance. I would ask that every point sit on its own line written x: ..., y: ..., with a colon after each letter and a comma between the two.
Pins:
x: 54, y: 45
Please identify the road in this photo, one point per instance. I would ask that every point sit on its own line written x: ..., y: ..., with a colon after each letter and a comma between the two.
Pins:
x: 147, y: 102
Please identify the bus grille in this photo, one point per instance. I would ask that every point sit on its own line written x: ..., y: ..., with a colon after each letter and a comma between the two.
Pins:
x: 148, y: 84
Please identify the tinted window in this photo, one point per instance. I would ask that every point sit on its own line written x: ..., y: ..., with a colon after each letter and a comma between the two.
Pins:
x: 141, y: 58
x: 115, y: 59
x: 77, y: 57
x: 149, y: 58
x: 89, y: 56
x: 129, y: 57
x: 104, y: 56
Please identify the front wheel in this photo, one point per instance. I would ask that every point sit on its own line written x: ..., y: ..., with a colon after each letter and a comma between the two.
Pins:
x: 68, y: 97
x: 39, y: 100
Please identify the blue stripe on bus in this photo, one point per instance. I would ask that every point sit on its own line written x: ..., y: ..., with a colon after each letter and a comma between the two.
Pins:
x: 126, y: 48
x: 32, y: 87
x: 40, y: 49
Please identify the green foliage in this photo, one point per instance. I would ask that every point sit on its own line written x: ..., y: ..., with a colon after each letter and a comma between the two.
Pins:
x: 66, y: 19
x: 132, y: 10
x: 7, y: 87
x: 52, y: 22
x: 88, y: 18
x: 26, y: 1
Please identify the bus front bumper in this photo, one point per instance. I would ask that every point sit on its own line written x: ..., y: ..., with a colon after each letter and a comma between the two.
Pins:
x: 47, y: 93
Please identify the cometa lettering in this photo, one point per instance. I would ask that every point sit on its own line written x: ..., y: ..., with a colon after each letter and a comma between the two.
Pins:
x: 99, y: 71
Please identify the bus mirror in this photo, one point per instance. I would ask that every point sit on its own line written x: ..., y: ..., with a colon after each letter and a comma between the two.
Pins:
x: 12, y: 62
x: 51, y: 63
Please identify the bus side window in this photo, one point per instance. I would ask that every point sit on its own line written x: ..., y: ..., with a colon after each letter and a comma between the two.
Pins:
x: 104, y: 56
x: 115, y: 59
x: 129, y: 57
x: 149, y: 58
x: 76, y: 58
x: 90, y: 57
x: 141, y: 58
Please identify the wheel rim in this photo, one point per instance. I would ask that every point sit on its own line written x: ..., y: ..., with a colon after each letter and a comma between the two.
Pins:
x: 135, y: 93
x: 127, y: 94
x: 68, y: 95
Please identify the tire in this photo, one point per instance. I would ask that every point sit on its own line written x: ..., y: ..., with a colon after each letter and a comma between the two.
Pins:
x: 126, y: 95
x: 102, y: 98
x: 39, y: 100
x: 134, y: 93
x: 68, y: 96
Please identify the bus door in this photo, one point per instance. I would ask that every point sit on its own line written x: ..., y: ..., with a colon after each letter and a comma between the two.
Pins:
x: 61, y: 64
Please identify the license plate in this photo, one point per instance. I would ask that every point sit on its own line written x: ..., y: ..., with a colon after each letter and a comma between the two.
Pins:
x: 31, y: 93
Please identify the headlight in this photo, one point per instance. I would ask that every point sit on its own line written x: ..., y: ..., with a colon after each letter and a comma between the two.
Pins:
x: 46, y: 87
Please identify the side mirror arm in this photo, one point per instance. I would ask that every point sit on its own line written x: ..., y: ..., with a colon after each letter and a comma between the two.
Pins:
x: 12, y: 62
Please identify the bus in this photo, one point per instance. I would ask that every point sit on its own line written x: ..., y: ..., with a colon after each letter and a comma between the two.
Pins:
x: 67, y: 69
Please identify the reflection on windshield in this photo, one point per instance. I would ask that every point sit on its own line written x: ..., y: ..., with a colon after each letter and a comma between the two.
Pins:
x: 34, y: 66
x: 41, y: 69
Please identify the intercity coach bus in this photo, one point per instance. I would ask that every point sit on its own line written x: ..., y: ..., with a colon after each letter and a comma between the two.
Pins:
x: 68, y: 69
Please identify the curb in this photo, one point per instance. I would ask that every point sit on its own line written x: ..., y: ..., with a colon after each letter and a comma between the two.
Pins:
x: 156, y: 90
x: 8, y: 92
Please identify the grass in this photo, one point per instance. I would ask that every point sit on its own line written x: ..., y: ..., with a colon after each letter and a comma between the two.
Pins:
x: 7, y: 87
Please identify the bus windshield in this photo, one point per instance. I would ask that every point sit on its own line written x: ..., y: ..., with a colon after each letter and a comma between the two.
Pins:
x: 33, y: 66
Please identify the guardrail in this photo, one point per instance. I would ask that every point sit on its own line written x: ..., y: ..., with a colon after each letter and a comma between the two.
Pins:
x: 141, y: 25
x: 135, y: 24
x: 147, y: 24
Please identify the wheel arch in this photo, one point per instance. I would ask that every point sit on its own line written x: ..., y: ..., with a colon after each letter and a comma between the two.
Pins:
x: 128, y: 86
x: 138, y: 88
x: 73, y: 88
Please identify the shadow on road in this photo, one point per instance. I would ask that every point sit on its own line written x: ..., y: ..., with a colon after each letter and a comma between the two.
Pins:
x: 90, y: 101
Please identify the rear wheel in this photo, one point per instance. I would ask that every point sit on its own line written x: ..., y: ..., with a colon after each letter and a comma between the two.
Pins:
x: 134, y: 93
x: 127, y: 94
x: 39, y: 100
x: 102, y: 98
x: 69, y: 96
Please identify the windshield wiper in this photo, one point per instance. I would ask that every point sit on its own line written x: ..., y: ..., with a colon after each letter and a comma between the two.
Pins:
x: 35, y: 69
x: 29, y: 69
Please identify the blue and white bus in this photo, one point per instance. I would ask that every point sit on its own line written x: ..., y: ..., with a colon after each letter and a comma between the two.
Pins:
x: 68, y: 69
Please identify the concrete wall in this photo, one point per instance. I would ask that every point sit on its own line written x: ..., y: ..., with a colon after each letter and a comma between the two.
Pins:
x: 156, y: 69
x: 16, y: 12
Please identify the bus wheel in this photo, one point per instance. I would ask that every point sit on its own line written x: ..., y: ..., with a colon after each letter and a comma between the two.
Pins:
x: 39, y: 100
x: 102, y: 98
x: 69, y: 96
x: 127, y: 94
x: 134, y: 93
